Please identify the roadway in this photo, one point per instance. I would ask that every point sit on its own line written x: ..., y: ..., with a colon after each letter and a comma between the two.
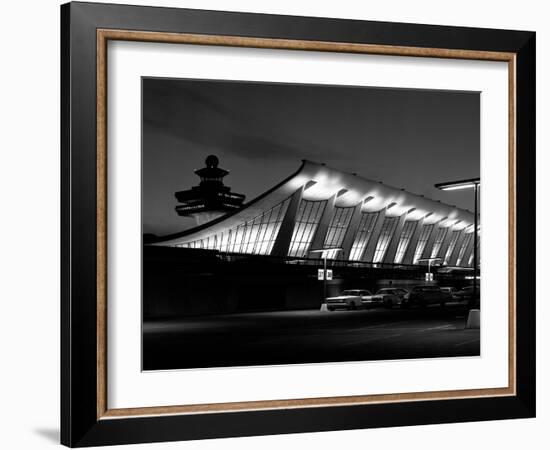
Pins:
x: 306, y: 336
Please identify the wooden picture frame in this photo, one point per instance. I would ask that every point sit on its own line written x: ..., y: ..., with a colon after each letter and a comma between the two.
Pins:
x: 86, y: 418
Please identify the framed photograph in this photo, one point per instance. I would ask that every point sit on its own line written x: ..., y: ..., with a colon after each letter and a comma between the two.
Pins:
x: 276, y: 224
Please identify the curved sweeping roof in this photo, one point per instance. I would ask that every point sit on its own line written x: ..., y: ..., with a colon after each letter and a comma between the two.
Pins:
x: 321, y: 182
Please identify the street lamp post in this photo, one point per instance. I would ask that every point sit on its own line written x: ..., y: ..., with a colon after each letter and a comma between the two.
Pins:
x: 472, y: 183
x: 324, y: 253
x: 430, y: 260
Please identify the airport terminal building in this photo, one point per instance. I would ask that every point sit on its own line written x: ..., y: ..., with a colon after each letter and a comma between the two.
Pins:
x: 318, y: 209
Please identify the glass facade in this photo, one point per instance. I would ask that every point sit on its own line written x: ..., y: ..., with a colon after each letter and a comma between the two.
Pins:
x: 452, y: 245
x: 386, y: 233
x: 439, y: 238
x: 465, y: 243
x: 307, y: 221
x: 422, y: 241
x: 256, y: 236
x: 337, y: 228
x: 364, y: 232
x: 404, y: 241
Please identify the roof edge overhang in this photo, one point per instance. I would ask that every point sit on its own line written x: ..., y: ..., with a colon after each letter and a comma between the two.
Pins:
x: 173, y: 236
x: 322, y: 182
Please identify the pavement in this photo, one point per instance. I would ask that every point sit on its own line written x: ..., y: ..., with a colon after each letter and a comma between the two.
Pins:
x: 307, y: 336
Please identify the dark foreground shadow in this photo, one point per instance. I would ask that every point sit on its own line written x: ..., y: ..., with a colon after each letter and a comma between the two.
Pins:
x: 307, y: 337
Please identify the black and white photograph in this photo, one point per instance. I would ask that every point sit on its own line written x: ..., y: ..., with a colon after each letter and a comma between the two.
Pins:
x: 300, y: 224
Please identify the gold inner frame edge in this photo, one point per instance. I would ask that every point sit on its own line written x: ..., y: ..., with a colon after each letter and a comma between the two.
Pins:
x: 103, y: 36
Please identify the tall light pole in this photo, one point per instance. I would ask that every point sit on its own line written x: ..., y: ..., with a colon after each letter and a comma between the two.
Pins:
x: 430, y: 260
x: 472, y: 183
x: 324, y: 253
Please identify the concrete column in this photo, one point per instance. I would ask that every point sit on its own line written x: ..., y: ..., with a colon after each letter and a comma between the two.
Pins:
x: 321, y: 232
x: 409, y: 252
x: 368, y: 254
x: 394, y: 240
x: 445, y: 245
x: 456, y: 250
x: 282, y: 242
x: 351, y: 232
x: 470, y: 252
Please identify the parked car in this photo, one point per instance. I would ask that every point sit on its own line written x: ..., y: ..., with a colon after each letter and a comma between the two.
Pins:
x: 466, y: 294
x: 453, y: 291
x: 426, y: 295
x: 349, y: 299
x: 390, y: 297
x: 467, y: 291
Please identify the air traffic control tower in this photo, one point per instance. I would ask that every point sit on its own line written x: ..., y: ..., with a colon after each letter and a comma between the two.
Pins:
x: 211, y: 198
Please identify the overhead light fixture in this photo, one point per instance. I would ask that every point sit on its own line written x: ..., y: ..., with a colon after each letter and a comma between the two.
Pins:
x: 456, y: 185
x: 327, y: 251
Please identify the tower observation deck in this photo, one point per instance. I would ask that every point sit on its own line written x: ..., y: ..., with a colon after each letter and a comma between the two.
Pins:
x: 211, y: 198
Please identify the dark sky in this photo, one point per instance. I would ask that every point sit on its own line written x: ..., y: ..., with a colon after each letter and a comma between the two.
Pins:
x: 260, y: 131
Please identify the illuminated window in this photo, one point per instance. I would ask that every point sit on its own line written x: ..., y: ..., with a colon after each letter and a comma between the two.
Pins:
x: 404, y: 241
x: 471, y: 259
x: 225, y: 240
x: 439, y: 238
x: 386, y: 233
x: 422, y: 241
x: 337, y: 229
x: 364, y: 232
x: 452, y: 245
x: 465, y: 243
x: 211, y: 242
x: 256, y: 236
x: 263, y: 230
x: 307, y: 221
